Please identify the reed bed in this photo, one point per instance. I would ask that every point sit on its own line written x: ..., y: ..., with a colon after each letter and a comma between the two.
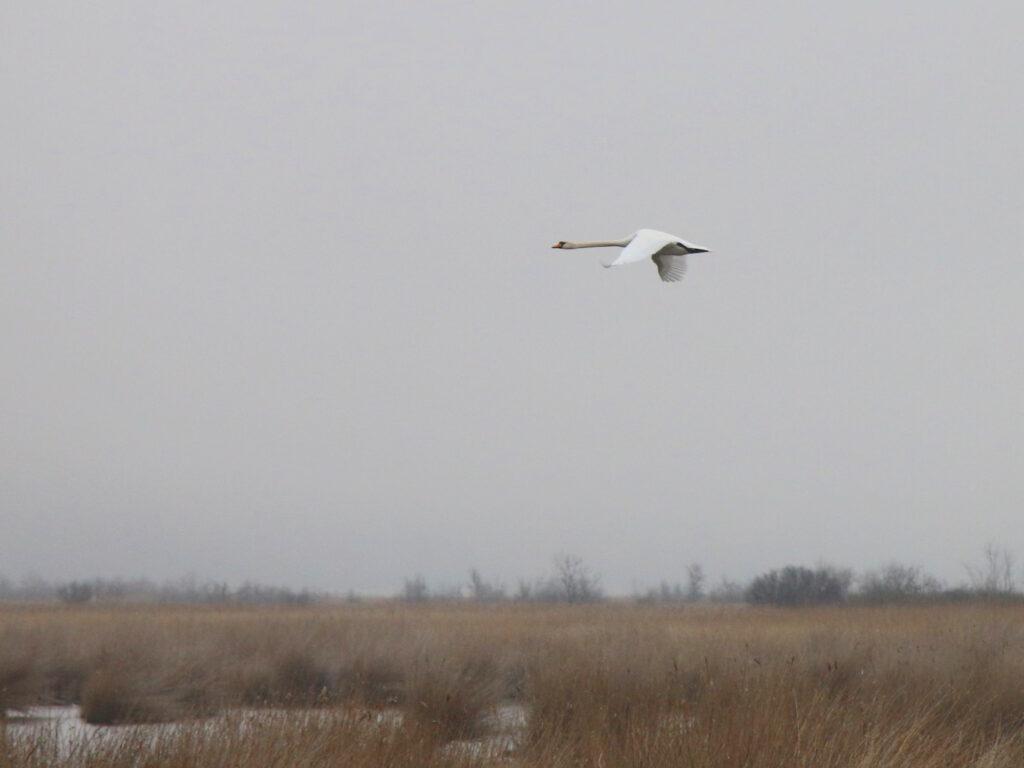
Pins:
x: 615, y: 684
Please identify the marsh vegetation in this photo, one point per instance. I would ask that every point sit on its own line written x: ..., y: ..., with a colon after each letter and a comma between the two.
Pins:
x: 614, y: 683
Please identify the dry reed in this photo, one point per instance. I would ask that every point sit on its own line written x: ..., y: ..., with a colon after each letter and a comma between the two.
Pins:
x: 605, y: 685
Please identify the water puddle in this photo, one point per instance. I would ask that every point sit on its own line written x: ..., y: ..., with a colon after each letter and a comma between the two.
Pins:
x: 63, y: 725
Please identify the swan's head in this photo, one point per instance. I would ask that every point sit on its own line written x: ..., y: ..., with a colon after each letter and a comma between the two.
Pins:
x: 559, y: 244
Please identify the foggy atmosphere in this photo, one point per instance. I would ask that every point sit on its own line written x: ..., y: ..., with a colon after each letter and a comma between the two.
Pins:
x: 284, y: 335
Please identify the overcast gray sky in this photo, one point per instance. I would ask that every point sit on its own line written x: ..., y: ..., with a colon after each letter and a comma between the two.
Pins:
x: 277, y: 299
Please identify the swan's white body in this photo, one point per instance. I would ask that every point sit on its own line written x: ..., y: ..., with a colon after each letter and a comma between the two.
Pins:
x: 667, y: 251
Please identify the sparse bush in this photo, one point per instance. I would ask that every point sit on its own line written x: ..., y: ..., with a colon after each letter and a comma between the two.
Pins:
x: 30, y: 588
x: 897, y: 583
x: 375, y: 681
x: 451, y: 696
x: 291, y: 676
x: 524, y: 591
x: 572, y: 582
x: 256, y: 594
x: 995, y: 575
x: 111, y: 695
x: 298, y: 678
x: 75, y: 592
x: 576, y: 583
x: 695, y: 580
x: 663, y: 593
x: 484, y: 591
x: 727, y: 591
x: 415, y: 590
x: 675, y: 593
x: 64, y: 680
x: 613, y: 686
x: 18, y: 678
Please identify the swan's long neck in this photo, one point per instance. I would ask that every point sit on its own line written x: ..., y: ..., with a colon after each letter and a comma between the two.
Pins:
x: 599, y: 244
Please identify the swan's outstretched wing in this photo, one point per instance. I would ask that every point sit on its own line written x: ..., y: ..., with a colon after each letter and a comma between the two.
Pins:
x: 643, y: 246
x: 671, y: 268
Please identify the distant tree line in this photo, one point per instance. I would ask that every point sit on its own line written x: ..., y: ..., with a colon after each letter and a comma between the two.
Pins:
x: 572, y: 581
x: 791, y: 585
x: 186, y: 591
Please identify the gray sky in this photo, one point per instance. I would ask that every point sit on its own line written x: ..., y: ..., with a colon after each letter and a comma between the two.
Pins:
x: 277, y: 301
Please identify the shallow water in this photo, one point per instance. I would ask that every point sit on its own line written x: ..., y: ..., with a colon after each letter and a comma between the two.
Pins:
x: 64, y: 725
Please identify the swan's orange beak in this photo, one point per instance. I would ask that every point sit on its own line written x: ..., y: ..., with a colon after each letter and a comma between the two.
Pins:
x: 559, y: 244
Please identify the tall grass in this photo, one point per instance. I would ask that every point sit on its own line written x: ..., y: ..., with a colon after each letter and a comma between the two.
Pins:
x: 602, y: 685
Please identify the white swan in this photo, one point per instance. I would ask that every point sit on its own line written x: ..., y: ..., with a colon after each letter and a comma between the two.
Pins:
x: 667, y: 251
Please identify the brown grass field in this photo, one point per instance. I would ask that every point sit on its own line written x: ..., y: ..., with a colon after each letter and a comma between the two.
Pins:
x: 615, y: 684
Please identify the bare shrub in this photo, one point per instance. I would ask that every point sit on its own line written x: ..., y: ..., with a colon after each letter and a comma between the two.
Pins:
x: 695, y: 582
x: 897, y: 583
x: 291, y: 676
x: 298, y: 678
x: 451, y: 696
x: 663, y: 593
x: 18, y: 678
x: 995, y: 575
x: 112, y: 695
x: 576, y: 692
x: 727, y: 591
x: 75, y: 592
x: 484, y: 591
x: 575, y: 581
x: 375, y: 681
x: 415, y: 590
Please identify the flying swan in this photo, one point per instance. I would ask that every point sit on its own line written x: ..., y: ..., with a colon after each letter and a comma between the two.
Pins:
x: 667, y: 251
